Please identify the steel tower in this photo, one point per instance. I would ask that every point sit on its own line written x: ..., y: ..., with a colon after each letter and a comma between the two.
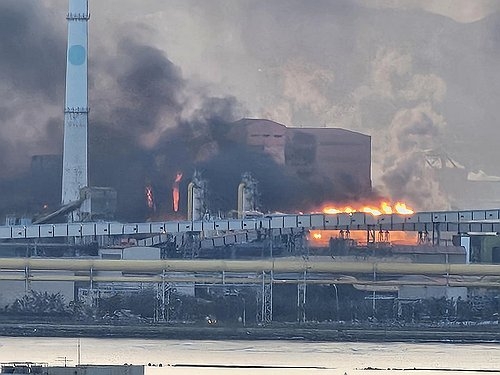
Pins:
x: 76, y: 105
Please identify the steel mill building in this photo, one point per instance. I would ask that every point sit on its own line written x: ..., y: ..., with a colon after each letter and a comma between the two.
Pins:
x: 341, y: 155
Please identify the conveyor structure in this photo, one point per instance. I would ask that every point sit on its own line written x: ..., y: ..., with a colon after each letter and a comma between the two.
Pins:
x: 473, y: 221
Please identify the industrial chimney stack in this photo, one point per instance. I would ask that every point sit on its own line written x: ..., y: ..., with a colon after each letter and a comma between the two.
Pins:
x: 76, y: 105
x: 197, y: 200
x: 248, y: 195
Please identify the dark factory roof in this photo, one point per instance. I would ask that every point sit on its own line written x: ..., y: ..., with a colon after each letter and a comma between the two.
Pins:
x: 308, y: 129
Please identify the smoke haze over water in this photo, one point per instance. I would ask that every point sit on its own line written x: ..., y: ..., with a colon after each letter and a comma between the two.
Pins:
x: 166, y: 77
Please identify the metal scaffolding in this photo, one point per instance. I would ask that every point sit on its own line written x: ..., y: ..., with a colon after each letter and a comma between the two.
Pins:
x: 265, y: 299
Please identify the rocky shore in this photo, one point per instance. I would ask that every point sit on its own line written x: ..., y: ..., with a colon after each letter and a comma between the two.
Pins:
x: 308, y: 332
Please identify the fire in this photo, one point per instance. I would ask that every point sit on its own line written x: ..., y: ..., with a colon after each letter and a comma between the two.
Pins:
x: 402, y: 209
x: 382, y: 208
x: 332, y: 210
x: 386, y: 208
x: 175, y: 191
x: 370, y: 210
x: 321, y: 237
x: 149, y: 197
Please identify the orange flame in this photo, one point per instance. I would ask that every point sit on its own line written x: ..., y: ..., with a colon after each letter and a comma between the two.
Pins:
x: 402, y: 209
x: 376, y: 210
x: 178, y: 177
x: 175, y: 191
x: 321, y: 237
x: 149, y: 197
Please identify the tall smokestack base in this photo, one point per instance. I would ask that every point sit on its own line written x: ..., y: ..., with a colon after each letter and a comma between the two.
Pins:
x: 248, y: 195
x: 197, y: 191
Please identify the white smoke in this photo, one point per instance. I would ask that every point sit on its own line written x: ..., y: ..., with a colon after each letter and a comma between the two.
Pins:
x: 305, y: 85
x: 464, y: 11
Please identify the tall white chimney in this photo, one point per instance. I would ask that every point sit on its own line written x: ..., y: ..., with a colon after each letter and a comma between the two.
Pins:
x: 76, y: 105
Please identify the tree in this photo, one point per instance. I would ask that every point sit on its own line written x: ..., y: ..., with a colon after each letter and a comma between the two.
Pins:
x: 40, y: 304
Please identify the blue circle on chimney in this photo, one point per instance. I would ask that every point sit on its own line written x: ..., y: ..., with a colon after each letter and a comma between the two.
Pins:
x: 76, y: 55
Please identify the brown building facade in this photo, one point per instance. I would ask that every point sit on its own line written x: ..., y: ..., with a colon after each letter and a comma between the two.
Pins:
x: 335, y: 154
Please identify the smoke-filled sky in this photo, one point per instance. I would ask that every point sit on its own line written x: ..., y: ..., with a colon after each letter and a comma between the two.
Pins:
x: 421, y: 77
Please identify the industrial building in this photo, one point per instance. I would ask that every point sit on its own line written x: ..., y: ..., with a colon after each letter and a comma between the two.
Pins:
x: 320, y: 165
x: 338, y: 156
x: 36, y: 368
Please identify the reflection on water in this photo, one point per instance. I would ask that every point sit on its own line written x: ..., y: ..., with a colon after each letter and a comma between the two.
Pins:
x: 259, y: 357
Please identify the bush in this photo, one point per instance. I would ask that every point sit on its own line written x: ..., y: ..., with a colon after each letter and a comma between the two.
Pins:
x: 40, y: 304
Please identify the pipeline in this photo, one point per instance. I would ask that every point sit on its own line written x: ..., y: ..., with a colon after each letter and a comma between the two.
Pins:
x: 248, y: 266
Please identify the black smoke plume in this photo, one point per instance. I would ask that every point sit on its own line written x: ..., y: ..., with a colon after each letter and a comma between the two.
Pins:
x: 32, y: 66
x: 146, y: 123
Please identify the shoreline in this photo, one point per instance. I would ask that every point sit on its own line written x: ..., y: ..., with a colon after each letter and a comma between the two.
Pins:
x: 306, y: 332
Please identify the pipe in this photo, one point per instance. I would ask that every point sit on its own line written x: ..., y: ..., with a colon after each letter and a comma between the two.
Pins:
x: 242, y: 266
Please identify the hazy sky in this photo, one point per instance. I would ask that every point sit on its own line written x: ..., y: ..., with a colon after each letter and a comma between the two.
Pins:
x: 420, y: 76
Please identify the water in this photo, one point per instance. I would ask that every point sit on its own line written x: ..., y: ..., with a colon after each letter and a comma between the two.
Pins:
x: 280, y: 357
